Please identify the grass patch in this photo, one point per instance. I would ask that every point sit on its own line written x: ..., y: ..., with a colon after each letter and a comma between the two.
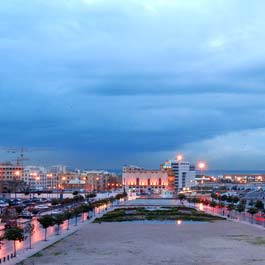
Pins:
x: 37, y: 255
x: 57, y: 253
x: 258, y: 241
x: 142, y: 213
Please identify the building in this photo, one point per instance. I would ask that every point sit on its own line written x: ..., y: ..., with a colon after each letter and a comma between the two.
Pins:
x: 181, y: 174
x: 100, y: 180
x: 36, y: 178
x: 8, y: 171
x: 143, y: 180
x: 88, y: 180
x: 11, y: 177
x: 244, y: 178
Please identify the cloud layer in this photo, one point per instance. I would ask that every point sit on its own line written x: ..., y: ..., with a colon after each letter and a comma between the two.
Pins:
x: 103, y: 83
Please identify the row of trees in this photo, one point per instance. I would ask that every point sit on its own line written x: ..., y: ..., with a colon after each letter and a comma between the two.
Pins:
x: 17, y: 233
x: 234, y: 205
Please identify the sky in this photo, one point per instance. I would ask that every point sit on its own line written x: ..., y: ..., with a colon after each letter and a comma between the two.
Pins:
x: 103, y: 83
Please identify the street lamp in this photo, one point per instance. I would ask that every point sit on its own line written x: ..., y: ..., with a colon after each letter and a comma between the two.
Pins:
x: 201, y: 166
x: 32, y: 174
x: 97, y: 179
x: 179, y: 157
x: 38, y: 184
x: 17, y: 173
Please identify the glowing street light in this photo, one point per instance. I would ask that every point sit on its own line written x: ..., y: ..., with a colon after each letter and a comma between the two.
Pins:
x: 179, y: 157
x: 201, y: 165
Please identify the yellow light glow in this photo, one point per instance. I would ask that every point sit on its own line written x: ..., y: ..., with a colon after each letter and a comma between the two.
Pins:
x: 201, y: 165
x: 179, y: 157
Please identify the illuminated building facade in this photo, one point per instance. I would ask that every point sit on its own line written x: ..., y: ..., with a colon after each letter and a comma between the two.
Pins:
x: 181, y: 174
x: 142, y: 180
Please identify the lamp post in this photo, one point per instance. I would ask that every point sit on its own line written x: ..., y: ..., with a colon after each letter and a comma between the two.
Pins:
x: 50, y: 183
x: 17, y: 173
x: 97, y: 179
x: 32, y: 174
x: 38, y: 182
x: 201, y: 166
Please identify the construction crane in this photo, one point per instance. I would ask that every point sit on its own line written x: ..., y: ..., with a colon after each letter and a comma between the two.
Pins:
x: 20, y: 151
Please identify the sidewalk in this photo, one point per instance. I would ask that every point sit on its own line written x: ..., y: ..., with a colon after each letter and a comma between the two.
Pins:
x: 26, y: 253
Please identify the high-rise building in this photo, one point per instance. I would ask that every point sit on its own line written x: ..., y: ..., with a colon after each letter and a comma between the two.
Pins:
x: 181, y: 174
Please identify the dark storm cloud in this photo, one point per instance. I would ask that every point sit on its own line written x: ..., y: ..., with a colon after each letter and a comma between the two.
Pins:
x: 119, y: 79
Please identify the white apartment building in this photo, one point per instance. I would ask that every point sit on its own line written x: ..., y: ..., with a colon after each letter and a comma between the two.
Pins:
x: 182, y: 173
x: 35, y: 177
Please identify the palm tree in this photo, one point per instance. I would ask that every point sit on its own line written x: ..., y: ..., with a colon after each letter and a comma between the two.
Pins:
x: 14, y: 233
x: 46, y: 221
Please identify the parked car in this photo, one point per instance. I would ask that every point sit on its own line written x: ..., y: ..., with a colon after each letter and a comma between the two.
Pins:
x: 26, y: 215
x: 57, y: 212
x: 42, y: 206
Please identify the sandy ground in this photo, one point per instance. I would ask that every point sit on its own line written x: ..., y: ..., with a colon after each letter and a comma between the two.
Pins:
x: 222, y: 242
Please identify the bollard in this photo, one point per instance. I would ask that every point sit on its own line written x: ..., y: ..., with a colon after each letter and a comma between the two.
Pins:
x: 7, y: 257
x: 4, y: 259
x: 0, y: 261
x: 11, y: 255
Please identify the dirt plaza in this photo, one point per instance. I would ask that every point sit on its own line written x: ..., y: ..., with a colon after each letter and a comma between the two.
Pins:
x: 219, y: 243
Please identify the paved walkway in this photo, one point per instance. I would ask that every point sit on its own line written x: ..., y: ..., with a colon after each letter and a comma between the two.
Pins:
x: 26, y: 253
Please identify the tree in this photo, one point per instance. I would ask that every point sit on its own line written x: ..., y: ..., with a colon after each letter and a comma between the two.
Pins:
x: 46, y: 221
x: 181, y: 196
x: 14, y: 233
x: 231, y: 207
x: 235, y: 199
x: 221, y: 205
x: 241, y: 207
x: 91, y: 195
x: 259, y: 205
x: 76, y: 212
x: 251, y: 203
x: 252, y: 211
x: 195, y: 200
x: 229, y: 199
x: 58, y: 219
x: 214, y: 196
x: 223, y: 197
x: 213, y: 204
x: 68, y: 215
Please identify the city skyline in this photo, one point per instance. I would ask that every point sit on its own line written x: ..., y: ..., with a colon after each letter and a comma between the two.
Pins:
x: 100, y: 84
